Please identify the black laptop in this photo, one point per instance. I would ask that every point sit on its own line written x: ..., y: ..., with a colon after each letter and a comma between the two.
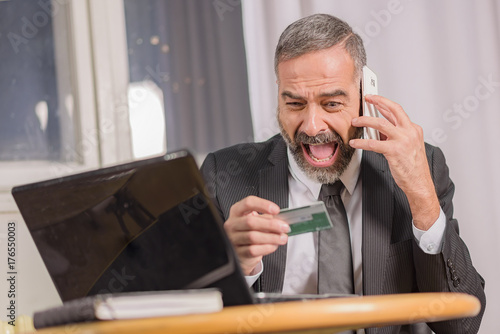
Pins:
x: 143, y: 226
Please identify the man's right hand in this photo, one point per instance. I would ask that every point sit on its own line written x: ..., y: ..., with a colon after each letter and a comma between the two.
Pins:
x: 254, y: 230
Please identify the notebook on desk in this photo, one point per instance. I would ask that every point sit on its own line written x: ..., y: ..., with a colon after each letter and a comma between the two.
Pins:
x: 142, y: 226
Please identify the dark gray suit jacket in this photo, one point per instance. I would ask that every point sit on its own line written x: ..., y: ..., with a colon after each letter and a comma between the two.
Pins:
x: 392, y: 260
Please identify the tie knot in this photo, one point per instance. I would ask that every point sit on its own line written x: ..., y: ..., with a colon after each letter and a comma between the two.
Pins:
x: 331, y: 189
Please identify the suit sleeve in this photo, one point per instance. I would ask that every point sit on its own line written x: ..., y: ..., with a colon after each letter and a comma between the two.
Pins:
x: 452, y: 269
x: 209, y: 172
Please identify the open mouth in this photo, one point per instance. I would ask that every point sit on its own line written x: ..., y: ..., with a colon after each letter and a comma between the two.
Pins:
x: 320, y: 155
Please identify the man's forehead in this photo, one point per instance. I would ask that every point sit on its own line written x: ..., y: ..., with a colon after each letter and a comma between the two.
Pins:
x: 317, y: 68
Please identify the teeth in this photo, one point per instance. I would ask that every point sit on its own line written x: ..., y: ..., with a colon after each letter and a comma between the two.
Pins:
x: 320, y: 160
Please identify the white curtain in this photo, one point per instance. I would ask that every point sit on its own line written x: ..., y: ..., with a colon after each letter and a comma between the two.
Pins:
x: 441, y: 61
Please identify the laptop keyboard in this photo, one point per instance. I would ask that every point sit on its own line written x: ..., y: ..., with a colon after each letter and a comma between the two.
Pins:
x: 270, y: 297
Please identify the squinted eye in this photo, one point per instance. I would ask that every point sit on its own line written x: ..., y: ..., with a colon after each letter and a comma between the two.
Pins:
x: 295, y: 104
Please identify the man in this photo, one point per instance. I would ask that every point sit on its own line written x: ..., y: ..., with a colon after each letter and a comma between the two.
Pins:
x: 397, y: 193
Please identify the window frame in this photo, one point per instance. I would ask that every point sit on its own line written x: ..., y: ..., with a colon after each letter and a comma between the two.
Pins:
x: 97, y: 48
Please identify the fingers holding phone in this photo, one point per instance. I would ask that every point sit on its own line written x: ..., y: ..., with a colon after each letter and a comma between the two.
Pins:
x: 401, y: 142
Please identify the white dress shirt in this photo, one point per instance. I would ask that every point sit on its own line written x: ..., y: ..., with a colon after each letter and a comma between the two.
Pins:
x: 301, y: 272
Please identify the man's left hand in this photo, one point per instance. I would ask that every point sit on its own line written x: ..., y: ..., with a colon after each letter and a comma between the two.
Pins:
x: 402, y: 144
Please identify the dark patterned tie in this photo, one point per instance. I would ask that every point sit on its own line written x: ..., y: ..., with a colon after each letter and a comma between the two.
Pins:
x: 335, y: 274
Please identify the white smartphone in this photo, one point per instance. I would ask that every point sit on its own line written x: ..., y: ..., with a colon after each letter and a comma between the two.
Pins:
x: 369, y: 86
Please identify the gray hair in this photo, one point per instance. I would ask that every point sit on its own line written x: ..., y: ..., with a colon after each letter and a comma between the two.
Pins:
x: 318, y: 32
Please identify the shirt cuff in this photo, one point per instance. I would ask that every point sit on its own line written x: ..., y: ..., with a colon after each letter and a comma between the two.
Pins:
x: 253, y: 278
x: 430, y: 241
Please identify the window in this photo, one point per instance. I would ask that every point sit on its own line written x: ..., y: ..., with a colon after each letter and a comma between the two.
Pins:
x: 37, y: 115
x: 47, y: 119
x: 87, y: 84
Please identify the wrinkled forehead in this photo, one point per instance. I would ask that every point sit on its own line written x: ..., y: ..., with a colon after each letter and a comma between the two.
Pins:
x: 318, y: 67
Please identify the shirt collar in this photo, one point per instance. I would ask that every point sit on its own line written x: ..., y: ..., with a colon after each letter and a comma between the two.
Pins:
x: 349, y: 178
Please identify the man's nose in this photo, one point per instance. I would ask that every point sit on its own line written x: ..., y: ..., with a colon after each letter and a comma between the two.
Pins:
x: 313, y: 122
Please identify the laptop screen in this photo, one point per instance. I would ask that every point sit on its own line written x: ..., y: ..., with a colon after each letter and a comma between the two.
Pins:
x: 142, y: 226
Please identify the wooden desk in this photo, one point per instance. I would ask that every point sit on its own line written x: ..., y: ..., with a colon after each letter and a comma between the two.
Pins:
x: 314, y: 316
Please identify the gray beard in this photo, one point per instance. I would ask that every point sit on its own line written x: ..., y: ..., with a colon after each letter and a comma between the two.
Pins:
x: 323, y: 175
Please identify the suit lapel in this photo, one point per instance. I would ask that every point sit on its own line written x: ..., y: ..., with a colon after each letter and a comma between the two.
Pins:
x: 273, y: 185
x: 378, y: 210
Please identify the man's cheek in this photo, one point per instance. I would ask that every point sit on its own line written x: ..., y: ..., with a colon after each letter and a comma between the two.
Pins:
x: 289, y: 128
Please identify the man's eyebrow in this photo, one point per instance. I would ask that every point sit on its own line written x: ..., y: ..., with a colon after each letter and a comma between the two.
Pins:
x: 291, y: 95
x: 335, y: 93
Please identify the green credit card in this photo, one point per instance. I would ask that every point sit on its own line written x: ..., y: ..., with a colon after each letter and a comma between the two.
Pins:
x: 309, y: 218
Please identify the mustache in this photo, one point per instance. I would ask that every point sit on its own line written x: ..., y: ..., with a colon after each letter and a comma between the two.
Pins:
x: 320, y: 138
